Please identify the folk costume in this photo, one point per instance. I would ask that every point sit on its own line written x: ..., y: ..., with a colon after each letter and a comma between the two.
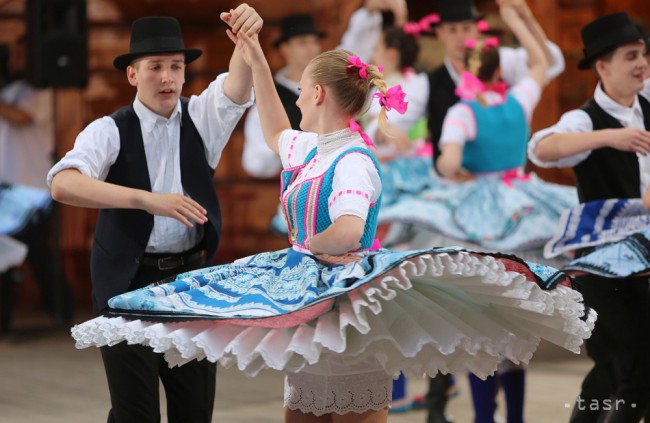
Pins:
x: 340, y: 332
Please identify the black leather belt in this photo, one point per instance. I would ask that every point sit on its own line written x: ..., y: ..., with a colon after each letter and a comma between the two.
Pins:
x: 172, y: 261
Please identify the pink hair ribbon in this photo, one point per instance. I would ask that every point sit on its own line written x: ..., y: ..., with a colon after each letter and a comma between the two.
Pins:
x: 356, y: 62
x: 424, y: 24
x: 393, y: 99
x: 470, y: 86
x: 492, y: 42
x: 355, y: 127
x: 482, y: 25
x: 470, y: 43
x: 487, y: 43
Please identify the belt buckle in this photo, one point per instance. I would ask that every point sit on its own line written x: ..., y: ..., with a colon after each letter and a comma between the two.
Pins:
x: 168, y: 263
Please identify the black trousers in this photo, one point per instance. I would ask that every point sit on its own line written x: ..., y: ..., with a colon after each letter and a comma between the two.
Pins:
x: 134, y: 371
x: 437, y: 398
x: 617, y: 389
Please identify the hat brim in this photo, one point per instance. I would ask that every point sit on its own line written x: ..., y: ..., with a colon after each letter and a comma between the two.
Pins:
x: 588, y: 61
x: 123, y: 61
x: 432, y: 30
x: 459, y: 18
x: 282, y: 39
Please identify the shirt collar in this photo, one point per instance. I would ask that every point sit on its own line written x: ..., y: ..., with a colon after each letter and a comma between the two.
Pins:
x: 281, y: 78
x: 149, y: 119
x: 455, y: 76
x: 621, y: 113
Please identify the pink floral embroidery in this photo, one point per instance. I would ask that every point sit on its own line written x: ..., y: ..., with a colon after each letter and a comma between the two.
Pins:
x: 358, y: 193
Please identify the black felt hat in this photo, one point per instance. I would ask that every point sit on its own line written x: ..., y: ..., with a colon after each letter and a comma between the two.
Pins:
x: 606, y: 34
x: 155, y: 35
x: 295, y: 25
x: 458, y: 11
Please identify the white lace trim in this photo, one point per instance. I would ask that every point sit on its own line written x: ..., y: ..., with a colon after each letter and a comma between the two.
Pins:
x: 333, y: 141
x: 449, y: 313
x: 320, y: 395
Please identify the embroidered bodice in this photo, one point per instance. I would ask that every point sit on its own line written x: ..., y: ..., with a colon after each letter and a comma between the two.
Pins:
x: 307, y: 188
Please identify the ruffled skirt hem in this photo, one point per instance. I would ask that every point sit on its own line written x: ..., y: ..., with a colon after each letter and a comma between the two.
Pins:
x: 431, y: 313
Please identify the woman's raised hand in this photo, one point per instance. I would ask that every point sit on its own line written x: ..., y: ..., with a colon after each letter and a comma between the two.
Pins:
x: 243, y: 19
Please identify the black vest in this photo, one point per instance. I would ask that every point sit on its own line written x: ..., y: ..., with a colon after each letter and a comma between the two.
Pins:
x: 121, y: 235
x: 608, y: 172
x: 441, y: 97
x: 288, y: 99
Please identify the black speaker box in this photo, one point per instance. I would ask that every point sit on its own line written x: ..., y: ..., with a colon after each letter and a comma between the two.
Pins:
x: 57, y: 43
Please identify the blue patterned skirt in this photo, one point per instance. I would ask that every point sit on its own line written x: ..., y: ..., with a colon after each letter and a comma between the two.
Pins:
x: 616, y: 231
x: 490, y: 213
x: 419, y: 312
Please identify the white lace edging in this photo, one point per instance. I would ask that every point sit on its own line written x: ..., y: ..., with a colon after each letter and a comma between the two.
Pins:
x: 444, y: 312
x: 344, y: 394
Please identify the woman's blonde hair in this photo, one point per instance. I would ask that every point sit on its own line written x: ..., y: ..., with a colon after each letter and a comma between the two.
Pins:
x: 482, y: 61
x: 351, y: 92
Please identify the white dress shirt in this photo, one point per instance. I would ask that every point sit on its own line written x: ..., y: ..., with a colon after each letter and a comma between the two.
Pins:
x: 258, y: 159
x: 97, y: 147
x: 578, y: 121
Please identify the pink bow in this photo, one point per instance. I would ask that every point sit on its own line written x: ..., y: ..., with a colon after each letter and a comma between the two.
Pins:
x: 487, y: 43
x: 511, y: 175
x: 470, y: 43
x: 393, y: 99
x: 376, y: 245
x: 354, y: 127
x: 492, y: 42
x: 482, y: 25
x: 470, y: 86
x: 424, y: 24
x: 356, y: 62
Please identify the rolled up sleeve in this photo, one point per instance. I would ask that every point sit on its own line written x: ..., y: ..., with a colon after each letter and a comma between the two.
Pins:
x: 573, y: 122
x: 94, y: 152
x: 215, y: 117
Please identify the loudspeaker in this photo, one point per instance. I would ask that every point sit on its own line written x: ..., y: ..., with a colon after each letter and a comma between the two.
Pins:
x: 57, y: 43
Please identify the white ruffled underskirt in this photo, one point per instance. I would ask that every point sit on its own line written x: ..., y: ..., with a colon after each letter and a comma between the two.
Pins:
x: 445, y: 313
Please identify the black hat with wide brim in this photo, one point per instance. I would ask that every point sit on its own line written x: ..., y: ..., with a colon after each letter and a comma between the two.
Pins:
x: 458, y: 11
x: 155, y: 35
x: 295, y: 25
x: 605, y: 34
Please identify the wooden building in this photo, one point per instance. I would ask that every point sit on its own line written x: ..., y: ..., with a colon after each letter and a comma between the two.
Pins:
x: 248, y: 203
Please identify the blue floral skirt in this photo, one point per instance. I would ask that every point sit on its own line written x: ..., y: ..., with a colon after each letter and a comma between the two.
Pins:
x: 419, y: 312
x: 615, y: 231
x: 492, y: 213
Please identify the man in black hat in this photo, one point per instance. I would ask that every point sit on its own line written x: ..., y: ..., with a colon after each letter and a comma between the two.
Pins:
x: 607, y: 144
x: 459, y: 21
x: 148, y: 167
x: 299, y: 42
